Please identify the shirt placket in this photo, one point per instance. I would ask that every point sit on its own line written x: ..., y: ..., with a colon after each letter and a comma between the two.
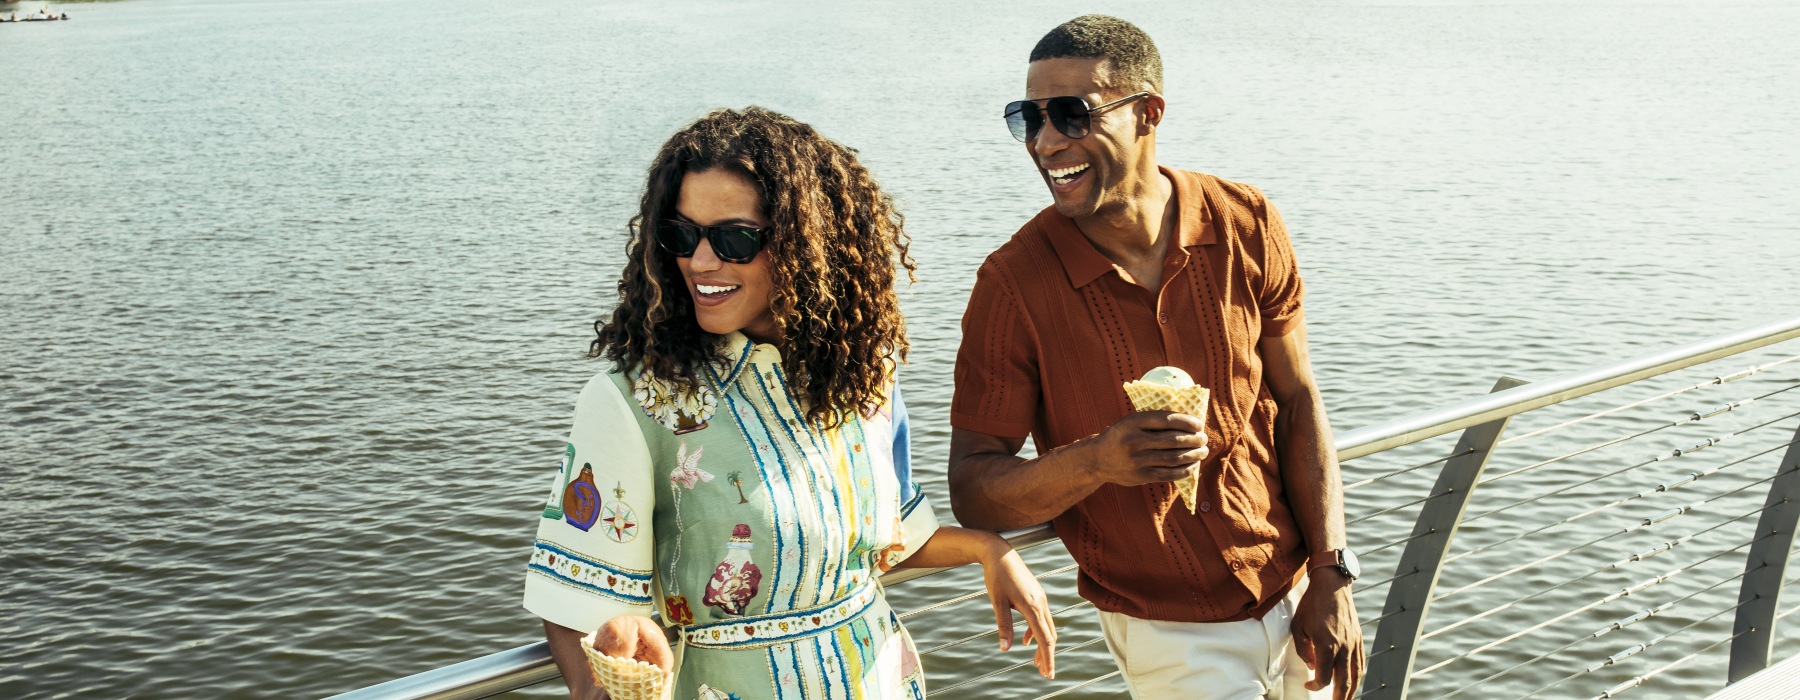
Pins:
x: 1169, y: 317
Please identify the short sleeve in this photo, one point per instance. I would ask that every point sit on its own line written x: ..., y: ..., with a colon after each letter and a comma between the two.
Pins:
x: 918, y: 522
x: 594, y: 553
x: 996, y: 366
x: 1280, y: 298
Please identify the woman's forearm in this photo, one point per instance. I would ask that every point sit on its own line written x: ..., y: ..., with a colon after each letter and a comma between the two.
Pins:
x: 565, y: 648
x: 956, y: 546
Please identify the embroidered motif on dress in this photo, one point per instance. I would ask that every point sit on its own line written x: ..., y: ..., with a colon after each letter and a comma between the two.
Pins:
x: 581, y: 572
x: 784, y: 504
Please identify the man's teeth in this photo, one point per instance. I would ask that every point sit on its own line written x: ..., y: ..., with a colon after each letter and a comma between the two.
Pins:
x: 1060, y: 173
x: 704, y: 289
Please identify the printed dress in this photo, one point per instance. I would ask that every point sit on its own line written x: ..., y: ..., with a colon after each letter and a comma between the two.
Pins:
x: 757, y: 534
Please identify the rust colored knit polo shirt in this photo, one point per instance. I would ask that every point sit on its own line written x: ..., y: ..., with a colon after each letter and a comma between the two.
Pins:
x: 1052, y: 333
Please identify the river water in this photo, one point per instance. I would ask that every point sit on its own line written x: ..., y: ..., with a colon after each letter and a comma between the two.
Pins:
x: 295, y: 293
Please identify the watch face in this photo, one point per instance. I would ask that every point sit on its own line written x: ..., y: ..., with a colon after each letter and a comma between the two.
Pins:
x: 1348, y: 564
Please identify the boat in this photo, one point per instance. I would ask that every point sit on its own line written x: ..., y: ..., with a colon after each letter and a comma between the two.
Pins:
x: 1646, y: 627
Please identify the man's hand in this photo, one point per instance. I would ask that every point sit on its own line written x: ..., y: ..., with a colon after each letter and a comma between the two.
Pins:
x: 1148, y: 447
x: 633, y: 637
x: 1327, y: 635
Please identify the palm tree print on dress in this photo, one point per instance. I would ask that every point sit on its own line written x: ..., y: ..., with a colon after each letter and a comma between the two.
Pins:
x: 737, y: 479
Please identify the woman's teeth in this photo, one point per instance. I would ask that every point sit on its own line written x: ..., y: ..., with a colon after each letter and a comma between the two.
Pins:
x: 710, y: 290
x: 1063, y: 175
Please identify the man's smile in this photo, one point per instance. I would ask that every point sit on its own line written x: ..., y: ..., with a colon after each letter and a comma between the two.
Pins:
x: 1065, y: 178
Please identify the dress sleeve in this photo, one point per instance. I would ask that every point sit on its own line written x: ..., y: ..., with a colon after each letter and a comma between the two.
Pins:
x: 996, y: 365
x: 1279, y: 300
x: 917, y: 520
x: 594, y: 553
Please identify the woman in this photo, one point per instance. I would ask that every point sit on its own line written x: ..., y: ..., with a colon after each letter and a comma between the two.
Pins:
x: 744, y: 468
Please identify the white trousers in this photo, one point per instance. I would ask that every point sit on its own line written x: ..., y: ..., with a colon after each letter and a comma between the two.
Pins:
x: 1213, y: 660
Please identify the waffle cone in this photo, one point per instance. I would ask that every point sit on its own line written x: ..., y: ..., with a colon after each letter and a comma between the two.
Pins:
x: 1189, y: 401
x: 629, y: 679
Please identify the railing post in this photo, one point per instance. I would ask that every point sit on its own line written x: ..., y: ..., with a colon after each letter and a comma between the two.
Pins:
x: 1764, y: 568
x: 1397, y: 637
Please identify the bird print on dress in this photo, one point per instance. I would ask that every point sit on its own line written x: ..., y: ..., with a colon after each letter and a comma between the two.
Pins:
x: 688, y: 472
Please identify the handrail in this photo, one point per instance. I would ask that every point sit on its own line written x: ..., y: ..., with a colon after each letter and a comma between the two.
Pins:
x: 1511, y: 402
x: 531, y: 663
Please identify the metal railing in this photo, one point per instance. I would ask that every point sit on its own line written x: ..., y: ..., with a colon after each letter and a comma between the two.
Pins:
x: 1412, y: 584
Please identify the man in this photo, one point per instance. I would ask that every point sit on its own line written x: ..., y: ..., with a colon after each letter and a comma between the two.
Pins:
x: 1136, y: 266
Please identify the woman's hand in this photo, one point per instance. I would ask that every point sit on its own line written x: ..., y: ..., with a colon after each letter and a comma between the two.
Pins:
x: 1011, y: 586
x: 633, y: 637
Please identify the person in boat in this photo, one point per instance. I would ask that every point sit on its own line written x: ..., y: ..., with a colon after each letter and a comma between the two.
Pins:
x: 1136, y: 266
x: 744, y: 468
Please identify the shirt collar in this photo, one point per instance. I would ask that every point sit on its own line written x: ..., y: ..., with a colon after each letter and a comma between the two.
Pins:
x: 1084, y: 263
x: 737, y: 353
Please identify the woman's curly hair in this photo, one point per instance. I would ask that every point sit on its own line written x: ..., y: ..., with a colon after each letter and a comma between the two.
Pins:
x: 834, y: 243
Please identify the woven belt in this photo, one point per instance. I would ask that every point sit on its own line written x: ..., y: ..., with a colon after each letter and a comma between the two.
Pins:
x: 766, y: 630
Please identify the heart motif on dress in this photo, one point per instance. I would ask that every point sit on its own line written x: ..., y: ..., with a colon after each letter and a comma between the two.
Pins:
x: 815, y: 619
x: 749, y: 629
x: 612, y: 580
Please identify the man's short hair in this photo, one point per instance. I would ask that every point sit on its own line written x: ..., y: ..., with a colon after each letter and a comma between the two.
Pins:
x: 1132, y: 54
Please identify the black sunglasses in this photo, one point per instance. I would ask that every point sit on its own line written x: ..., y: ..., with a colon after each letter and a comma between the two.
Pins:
x: 1068, y: 113
x: 733, y: 244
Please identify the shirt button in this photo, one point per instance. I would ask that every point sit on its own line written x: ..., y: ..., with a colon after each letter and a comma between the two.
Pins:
x: 1206, y: 506
x: 1163, y: 318
x: 1237, y: 566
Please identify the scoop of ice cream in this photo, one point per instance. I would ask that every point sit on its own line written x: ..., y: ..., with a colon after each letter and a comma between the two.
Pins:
x: 1171, y: 377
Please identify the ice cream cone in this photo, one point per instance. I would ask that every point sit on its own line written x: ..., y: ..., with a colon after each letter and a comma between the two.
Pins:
x: 1160, y: 396
x: 629, y: 679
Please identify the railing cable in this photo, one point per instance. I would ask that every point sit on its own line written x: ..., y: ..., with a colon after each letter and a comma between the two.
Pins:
x: 1387, y: 580
x: 1672, y: 454
x: 1639, y: 587
x: 1639, y: 556
x: 1659, y: 488
x: 1399, y: 542
x: 1622, y: 623
x: 1715, y: 381
x: 1614, y: 691
x: 1634, y: 651
x: 977, y: 594
x: 1693, y: 417
x: 1080, y: 685
x: 1014, y: 667
x: 1402, y: 506
x: 1407, y: 470
x: 996, y: 630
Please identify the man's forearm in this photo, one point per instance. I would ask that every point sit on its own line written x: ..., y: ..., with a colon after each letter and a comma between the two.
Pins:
x: 1309, y: 470
x: 994, y: 491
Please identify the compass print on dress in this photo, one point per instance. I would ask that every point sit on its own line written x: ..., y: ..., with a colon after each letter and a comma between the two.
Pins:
x: 620, y: 523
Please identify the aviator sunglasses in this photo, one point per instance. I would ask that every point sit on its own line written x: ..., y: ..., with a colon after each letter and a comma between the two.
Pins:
x: 733, y: 244
x: 1069, y: 114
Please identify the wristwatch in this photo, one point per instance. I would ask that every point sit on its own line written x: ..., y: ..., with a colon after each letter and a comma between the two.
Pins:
x: 1343, y: 559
